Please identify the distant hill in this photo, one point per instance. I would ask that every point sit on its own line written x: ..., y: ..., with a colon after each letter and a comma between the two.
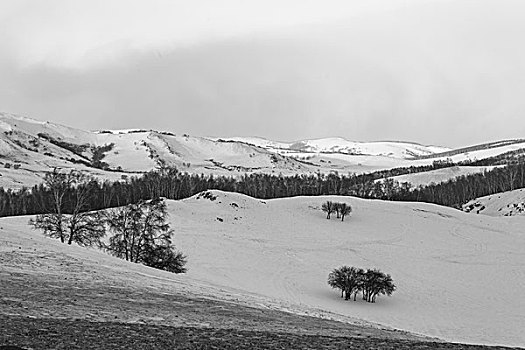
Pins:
x: 426, y: 178
x: 29, y: 148
x: 394, y: 149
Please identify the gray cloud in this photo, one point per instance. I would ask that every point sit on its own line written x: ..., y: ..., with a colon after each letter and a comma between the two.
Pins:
x: 451, y: 74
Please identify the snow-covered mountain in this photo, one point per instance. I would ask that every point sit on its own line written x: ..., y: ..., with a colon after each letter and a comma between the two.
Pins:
x: 29, y: 148
x: 394, y: 149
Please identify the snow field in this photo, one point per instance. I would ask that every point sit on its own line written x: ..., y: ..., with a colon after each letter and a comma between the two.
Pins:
x: 459, y: 276
x: 509, y: 203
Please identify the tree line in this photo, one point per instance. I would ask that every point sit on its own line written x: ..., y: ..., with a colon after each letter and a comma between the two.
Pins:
x: 352, y: 281
x: 170, y: 183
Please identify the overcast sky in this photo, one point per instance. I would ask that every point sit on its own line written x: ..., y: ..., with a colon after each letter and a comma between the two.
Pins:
x: 445, y: 72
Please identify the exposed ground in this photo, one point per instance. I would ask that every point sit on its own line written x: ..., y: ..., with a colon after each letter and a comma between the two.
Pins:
x: 82, y: 334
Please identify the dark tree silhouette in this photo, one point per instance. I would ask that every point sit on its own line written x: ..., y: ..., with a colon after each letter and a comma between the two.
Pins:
x: 53, y: 224
x: 328, y: 208
x: 142, y: 235
x: 375, y: 282
x: 353, y: 280
x: 347, y: 279
x: 336, y: 280
x: 337, y: 209
x: 344, y: 209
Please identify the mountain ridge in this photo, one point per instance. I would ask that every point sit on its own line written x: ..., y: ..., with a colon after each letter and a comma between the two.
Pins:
x: 30, y: 147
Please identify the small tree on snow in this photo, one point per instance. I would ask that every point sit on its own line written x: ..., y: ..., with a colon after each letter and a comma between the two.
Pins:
x: 352, y: 280
x: 336, y: 280
x: 328, y: 208
x: 337, y: 209
x: 347, y: 279
x: 344, y: 209
x: 378, y: 283
x: 142, y: 235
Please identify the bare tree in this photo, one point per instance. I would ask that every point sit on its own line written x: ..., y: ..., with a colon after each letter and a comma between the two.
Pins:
x: 53, y: 223
x: 142, y: 235
x: 336, y: 280
x: 375, y: 282
x: 337, y: 209
x: 347, y: 279
x: 344, y: 209
x: 70, y: 190
x: 353, y: 280
x: 328, y: 208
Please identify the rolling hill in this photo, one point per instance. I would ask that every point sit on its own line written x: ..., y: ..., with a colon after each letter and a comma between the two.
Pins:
x: 458, y: 275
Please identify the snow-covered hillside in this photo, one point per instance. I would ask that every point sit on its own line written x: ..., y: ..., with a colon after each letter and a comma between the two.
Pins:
x: 394, y: 149
x: 29, y: 148
x: 439, y: 175
x: 459, y: 276
x: 510, y: 203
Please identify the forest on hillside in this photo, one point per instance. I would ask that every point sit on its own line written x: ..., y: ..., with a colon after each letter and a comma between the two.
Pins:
x: 170, y: 183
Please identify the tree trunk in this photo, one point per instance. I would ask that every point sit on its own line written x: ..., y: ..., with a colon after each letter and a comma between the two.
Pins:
x: 59, y: 228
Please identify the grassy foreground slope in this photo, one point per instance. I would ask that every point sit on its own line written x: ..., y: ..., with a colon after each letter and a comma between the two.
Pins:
x: 54, y: 296
x: 257, y: 273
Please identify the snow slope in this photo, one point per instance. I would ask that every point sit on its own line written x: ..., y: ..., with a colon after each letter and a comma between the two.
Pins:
x: 439, y: 175
x: 393, y: 149
x: 460, y: 277
x: 508, y: 203
x: 482, y: 153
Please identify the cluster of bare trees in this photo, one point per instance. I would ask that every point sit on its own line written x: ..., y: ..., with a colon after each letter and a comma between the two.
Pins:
x: 141, y: 235
x: 83, y: 227
x: 352, y: 281
x: 341, y: 209
x: 141, y: 232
